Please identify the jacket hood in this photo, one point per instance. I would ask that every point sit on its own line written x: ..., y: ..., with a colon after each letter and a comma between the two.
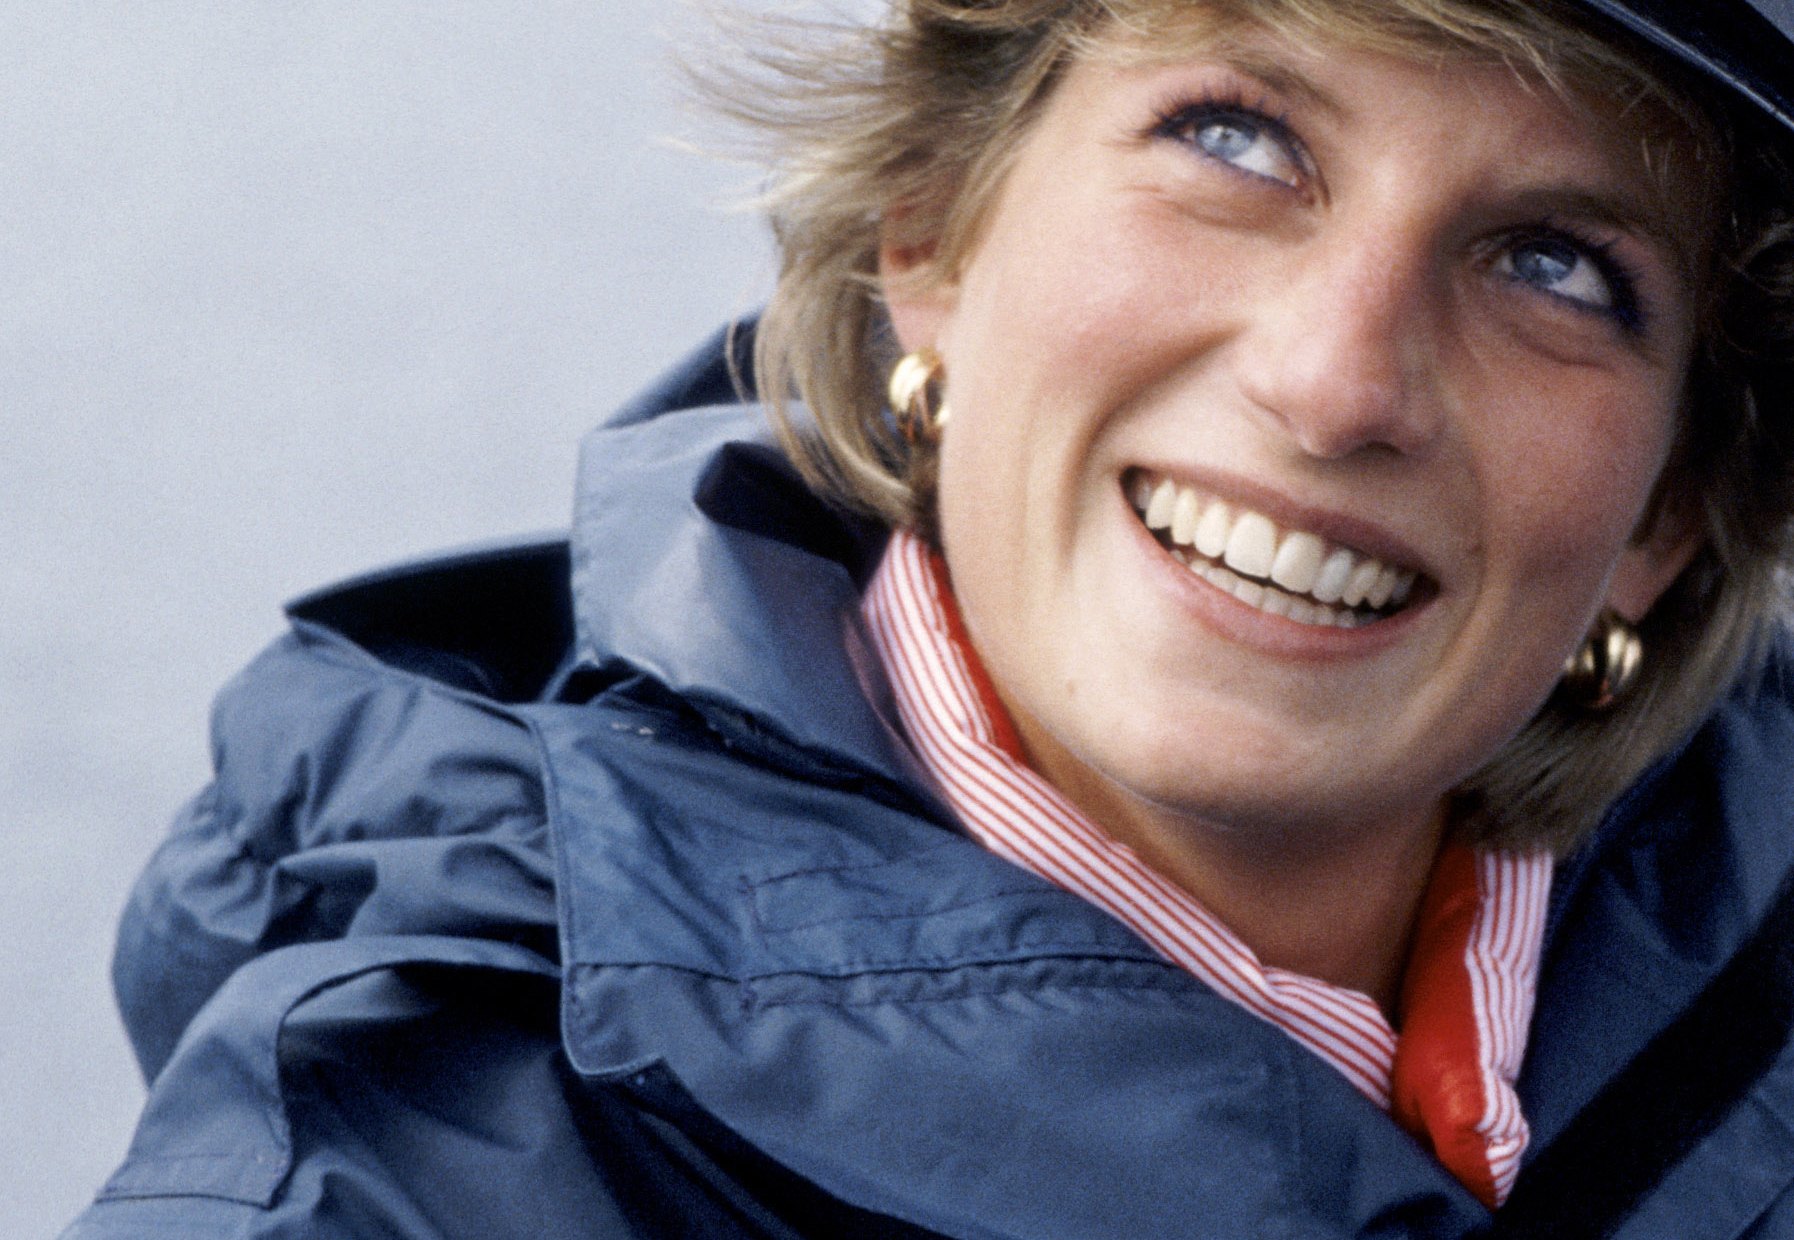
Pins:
x: 1744, y: 45
x: 700, y: 561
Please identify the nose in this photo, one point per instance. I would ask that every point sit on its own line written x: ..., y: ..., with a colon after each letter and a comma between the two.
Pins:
x: 1341, y: 347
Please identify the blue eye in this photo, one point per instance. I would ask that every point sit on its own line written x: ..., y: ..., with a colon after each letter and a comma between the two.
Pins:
x: 1560, y: 268
x: 1239, y: 138
x: 1584, y: 273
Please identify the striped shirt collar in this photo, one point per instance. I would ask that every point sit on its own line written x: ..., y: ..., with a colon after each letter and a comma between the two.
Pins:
x: 1471, y: 978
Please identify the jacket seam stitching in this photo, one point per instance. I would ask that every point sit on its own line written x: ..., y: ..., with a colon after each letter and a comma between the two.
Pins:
x: 1145, y: 986
x: 771, y: 929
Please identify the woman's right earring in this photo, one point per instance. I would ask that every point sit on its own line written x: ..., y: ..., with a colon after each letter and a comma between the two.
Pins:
x: 915, y: 396
x: 1605, y: 666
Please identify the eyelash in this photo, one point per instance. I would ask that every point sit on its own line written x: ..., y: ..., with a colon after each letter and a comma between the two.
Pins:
x: 1185, y: 112
x: 1178, y: 119
x: 1628, y: 309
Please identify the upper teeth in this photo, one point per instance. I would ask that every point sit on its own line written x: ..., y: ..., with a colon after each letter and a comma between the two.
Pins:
x: 1253, y: 546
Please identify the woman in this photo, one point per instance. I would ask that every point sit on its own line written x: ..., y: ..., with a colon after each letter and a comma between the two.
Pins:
x: 1239, y: 773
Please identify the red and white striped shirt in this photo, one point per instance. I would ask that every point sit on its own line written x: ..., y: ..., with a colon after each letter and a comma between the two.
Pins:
x: 1468, y: 994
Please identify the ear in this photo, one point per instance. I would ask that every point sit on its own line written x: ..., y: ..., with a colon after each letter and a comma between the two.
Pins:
x: 1651, y: 565
x: 918, y: 297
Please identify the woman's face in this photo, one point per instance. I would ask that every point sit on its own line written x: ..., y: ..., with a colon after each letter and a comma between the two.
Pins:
x: 1337, y: 317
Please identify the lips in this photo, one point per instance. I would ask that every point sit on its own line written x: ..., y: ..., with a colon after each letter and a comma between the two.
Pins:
x: 1287, y: 572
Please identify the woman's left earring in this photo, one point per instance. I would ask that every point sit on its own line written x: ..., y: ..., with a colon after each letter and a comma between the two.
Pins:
x: 1605, y: 666
x: 916, y: 397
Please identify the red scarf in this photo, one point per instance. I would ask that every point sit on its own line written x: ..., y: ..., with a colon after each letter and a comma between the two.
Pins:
x: 1468, y: 989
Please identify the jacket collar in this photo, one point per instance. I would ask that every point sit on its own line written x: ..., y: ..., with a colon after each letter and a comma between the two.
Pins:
x: 701, y: 561
x: 1648, y: 911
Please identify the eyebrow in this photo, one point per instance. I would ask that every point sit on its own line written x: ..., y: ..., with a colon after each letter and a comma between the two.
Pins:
x: 1281, y: 78
x: 1637, y: 215
x: 1267, y: 69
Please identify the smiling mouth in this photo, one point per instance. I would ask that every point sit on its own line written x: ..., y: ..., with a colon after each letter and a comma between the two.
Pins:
x: 1287, y: 572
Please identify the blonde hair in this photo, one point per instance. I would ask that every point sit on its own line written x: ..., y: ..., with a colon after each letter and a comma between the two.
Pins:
x: 898, y: 134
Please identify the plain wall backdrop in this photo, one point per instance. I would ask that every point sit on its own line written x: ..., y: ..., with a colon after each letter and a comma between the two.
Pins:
x: 288, y: 289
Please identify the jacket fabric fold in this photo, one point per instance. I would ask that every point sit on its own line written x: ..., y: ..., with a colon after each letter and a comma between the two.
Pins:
x: 590, y: 889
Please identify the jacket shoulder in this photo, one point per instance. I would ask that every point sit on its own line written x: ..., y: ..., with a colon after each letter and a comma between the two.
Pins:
x: 496, y: 619
x: 369, y: 780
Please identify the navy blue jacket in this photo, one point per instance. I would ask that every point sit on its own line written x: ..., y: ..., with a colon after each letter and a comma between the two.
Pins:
x: 627, y: 913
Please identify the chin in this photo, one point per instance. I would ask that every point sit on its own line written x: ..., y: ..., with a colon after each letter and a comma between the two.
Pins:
x: 1251, y: 780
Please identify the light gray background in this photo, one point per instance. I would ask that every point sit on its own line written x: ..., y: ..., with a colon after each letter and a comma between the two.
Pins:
x: 288, y: 288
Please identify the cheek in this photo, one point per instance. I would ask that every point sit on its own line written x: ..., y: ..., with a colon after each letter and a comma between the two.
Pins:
x: 1573, y: 475
x: 1049, y: 352
x: 1069, y: 299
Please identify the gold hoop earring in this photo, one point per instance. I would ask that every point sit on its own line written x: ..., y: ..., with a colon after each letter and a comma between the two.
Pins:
x: 915, y: 396
x: 1605, y: 666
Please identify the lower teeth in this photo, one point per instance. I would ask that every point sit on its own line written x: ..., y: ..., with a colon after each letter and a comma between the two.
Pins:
x: 1269, y: 598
